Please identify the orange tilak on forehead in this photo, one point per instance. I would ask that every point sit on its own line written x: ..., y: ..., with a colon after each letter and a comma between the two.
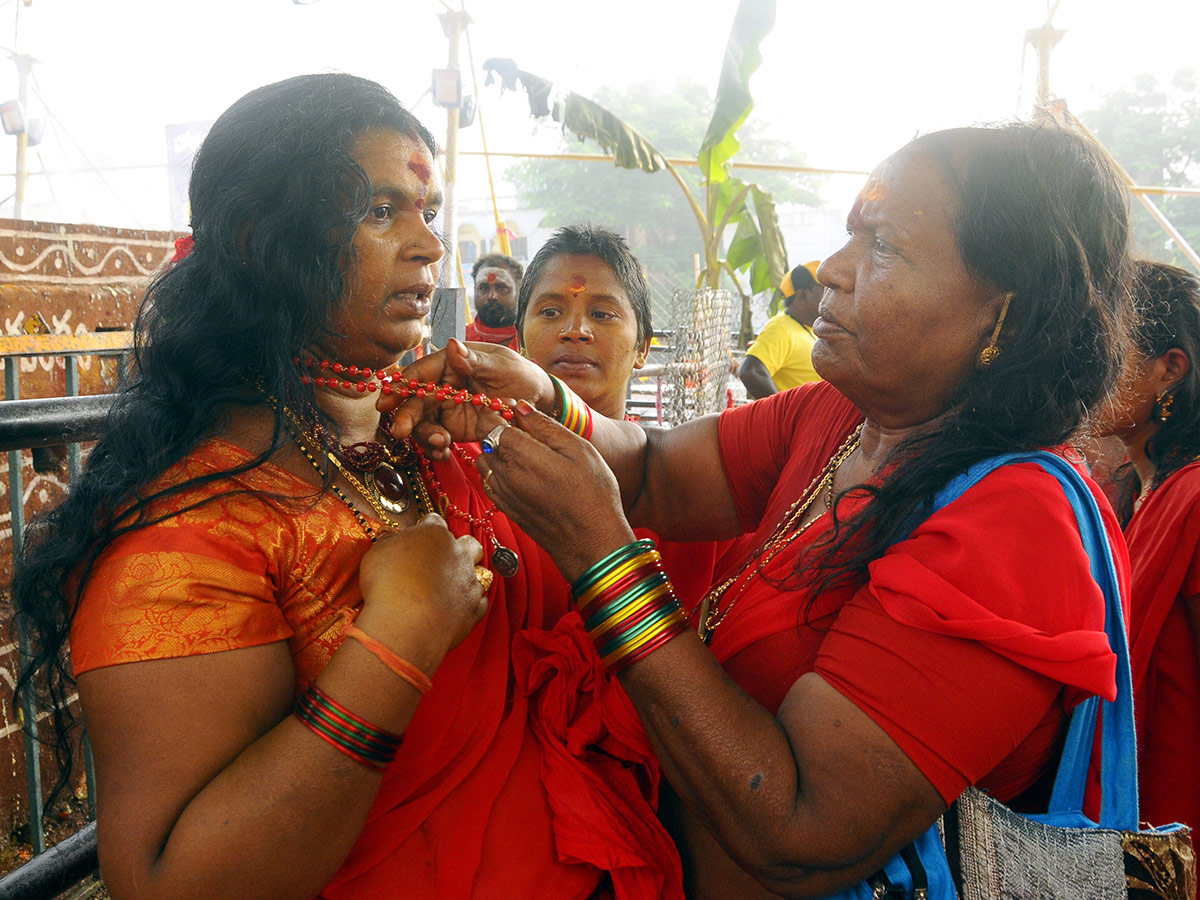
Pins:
x: 420, y: 168
x: 578, y: 284
x: 491, y: 277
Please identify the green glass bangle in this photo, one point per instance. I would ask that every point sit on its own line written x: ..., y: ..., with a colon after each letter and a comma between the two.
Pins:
x: 597, y: 569
x: 625, y: 600
x: 666, y: 611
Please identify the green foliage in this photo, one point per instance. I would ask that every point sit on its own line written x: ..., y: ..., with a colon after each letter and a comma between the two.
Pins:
x: 650, y: 209
x: 752, y: 22
x: 1153, y: 131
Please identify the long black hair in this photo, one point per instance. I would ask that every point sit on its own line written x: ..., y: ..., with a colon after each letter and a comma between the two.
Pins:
x: 1042, y: 213
x: 1167, y: 301
x: 275, y: 200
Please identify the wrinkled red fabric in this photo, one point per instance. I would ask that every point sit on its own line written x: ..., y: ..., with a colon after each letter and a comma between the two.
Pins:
x: 1164, y: 549
x: 970, y: 641
x: 596, y: 764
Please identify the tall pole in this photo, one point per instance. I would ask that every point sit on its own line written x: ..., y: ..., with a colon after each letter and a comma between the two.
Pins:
x: 452, y: 24
x: 1043, y: 40
x: 24, y: 62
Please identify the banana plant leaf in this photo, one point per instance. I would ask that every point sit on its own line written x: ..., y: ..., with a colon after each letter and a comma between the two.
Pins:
x: 629, y: 147
x: 752, y: 22
x: 757, y: 243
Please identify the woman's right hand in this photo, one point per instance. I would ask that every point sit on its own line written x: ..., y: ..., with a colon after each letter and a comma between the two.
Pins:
x: 488, y: 369
x: 421, y: 582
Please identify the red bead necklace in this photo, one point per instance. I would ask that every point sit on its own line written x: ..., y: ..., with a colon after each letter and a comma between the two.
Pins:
x: 390, y: 383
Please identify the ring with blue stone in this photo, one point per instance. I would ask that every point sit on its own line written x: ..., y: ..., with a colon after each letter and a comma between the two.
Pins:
x: 491, y: 443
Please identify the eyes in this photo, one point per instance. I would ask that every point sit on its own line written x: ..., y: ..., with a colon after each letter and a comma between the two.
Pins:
x: 880, y: 248
x: 555, y: 312
x: 385, y: 213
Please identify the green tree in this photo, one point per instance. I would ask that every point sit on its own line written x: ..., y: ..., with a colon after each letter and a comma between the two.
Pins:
x: 1153, y: 130
x: 649, y: 208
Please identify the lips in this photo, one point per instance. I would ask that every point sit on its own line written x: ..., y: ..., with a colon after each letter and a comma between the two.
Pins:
x: 573, y: 364
x: 826, y: 325
x: 414, y: 300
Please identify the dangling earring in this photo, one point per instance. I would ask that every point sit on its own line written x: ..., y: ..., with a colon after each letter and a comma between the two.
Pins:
x: 991, y: 351
x: 1162, y: 407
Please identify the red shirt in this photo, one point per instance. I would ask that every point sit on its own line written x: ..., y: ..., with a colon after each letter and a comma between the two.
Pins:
x: 477, y: 331
x: 971, y: 640
x: 1164, y: 550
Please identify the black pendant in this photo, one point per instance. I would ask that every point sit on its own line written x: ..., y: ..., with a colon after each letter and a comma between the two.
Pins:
x: 505, y: 561
x: 390, y: 486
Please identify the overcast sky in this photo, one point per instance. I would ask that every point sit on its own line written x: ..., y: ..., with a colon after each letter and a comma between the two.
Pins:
x: 846, y: 81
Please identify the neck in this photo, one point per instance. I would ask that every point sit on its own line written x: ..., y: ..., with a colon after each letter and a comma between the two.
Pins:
x: 612, y: 409
x: 1135, y: 445
x: 803, y: 316
x: 355, y: 414
x: 880, y: 441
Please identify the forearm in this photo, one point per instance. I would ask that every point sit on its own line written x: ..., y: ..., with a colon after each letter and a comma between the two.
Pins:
x: 671, y: 479
x: 756, y: 377
x: 786, y: 814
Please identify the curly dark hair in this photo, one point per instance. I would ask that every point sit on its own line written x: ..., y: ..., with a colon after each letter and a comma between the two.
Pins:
x: 275, y: 200
x: 1042, y: 213
x: 1167, y: 302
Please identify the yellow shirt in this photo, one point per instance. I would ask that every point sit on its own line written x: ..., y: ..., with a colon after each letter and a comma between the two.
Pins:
x: 785, y: 348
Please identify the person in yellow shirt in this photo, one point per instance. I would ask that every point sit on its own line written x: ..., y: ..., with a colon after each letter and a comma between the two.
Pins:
x: 781, y: 358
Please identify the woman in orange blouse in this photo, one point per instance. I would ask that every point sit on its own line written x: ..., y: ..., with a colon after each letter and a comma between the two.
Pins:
x: 299, y: 680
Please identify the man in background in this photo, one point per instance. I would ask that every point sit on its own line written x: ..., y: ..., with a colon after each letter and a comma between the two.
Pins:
x: 781, y: 358
x: 497, y: 279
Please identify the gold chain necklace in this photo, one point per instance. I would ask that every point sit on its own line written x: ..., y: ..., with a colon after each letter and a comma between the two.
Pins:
x: 710, y: 612
x: 405, y: 460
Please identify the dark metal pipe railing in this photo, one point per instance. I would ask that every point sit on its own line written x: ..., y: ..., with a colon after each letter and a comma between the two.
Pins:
x: 49, y: 874
x: 27, y: 424
x: 52, y: 421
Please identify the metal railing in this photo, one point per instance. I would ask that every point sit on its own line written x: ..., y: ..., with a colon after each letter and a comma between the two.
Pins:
x: 26, y: 424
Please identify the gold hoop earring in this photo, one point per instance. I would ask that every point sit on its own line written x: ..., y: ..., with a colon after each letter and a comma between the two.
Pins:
x: 989, y: 353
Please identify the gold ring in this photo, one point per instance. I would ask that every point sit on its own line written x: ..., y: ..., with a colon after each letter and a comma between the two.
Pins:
x: 484, y: 577
x: 487, y: 480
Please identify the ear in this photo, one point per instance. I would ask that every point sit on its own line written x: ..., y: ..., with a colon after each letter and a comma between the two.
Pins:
x: 1175, y: 367
x: 639, y: 358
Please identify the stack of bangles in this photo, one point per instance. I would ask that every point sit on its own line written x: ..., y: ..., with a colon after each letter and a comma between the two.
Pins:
x: 351, y: 734
x: 571, y: 411
x: 628, y: 605
x: 344, y: 731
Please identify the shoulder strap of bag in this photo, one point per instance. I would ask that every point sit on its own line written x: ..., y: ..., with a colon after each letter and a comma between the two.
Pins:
x: 1118, y: 773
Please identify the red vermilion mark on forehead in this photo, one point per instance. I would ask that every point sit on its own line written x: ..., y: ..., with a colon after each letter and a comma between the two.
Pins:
x: 419, y: 203
x: 491, y: 277
x: 874, y: 190
x: 419, y: 167
x: 578, y: 283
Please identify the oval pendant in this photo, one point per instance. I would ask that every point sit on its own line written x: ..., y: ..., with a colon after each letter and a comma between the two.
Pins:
x: 389, y: 488
x: 505, y: 561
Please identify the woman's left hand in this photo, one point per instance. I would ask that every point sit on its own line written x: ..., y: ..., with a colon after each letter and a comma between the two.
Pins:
x: 558, y: 489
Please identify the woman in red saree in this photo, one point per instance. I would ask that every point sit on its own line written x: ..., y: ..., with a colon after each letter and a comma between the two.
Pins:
x: 1156, y: 415
x: 312, y: 661
x: 865, y: 661
x: 583, y: 315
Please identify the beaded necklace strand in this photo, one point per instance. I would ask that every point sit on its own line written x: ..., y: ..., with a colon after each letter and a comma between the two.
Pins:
x: 374, y: 460
x: 709, y: 609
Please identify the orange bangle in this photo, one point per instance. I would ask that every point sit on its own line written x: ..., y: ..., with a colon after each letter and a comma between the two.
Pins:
x: 401, y: 667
